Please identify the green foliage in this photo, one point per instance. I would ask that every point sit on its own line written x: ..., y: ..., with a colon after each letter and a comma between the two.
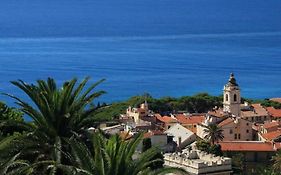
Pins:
x: 268, y: 103
x: 58, y: 113
x: 238, y: 161
x: 200, y: 103
x: 277, y: 162
x: 110, y: 112
x: 214, y: 133
x: 207, y: 147
x: 7, y: 113
x: 114, y: 156
x: 267, y: 171
x: 146, y: 144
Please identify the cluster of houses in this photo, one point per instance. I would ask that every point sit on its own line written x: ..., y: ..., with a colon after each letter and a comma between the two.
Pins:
x: 249, y: 129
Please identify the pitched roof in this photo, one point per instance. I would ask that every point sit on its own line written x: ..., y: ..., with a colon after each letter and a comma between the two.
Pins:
x: 274, y: 112
x: 257, y: 110
x: 180, y: 131
x: 271, y: 135
x: 218, y: 113
x: 183, y: 119
x: 166, y: 119
x: 226, y: 122
x: 271, y: 125
x: 249, y: 146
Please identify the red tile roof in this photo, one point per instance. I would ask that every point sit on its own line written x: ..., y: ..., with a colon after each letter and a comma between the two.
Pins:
x: 249, y: 146
x: 257, y: 110
x: 271, y: 135
x: 226, y: 122
x: 271, y: 125
x: 182, y: 119
x: 276, y: 113
x: 166, y: 119
x: 218, y: 113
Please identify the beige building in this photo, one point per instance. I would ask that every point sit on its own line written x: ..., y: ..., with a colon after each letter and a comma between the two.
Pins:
x: 198, y: 162
x: 255, y: 153
x: 237, y: 129
x: 254, y: 113
x: 229, y: 118
x: 135, y: 114
x: 190, y: 121
x: 181, y: 135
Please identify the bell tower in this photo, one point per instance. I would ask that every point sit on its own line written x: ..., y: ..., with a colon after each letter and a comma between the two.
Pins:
x: 231, y: 97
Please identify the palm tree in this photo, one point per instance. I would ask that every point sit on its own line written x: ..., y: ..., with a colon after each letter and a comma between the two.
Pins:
x: 114, y: 156
x: 57, y: 114
x: 214, y: 133
x: 277, y: 162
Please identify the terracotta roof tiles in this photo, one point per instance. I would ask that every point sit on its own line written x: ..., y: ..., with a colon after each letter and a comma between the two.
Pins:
x: 182, y: 119
x: 226, y: 122
x: 166, y: 119
x: 276, y: 113
x: 271, y: 125
x: 271, y: 135
x: 249, y: 146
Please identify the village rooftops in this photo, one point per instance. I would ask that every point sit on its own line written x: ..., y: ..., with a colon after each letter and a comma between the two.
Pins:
x: 255, y: 110
x: 166, y: 119
x: 272, y: 124
x: 255, y: 146
x: 219, y: 113
x: 270, y: 136
x: 196, y: 119
x: 276, y: 113
x: 226, y: 122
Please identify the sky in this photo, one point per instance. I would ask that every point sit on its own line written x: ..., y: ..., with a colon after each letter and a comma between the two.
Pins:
x: 59, y: 18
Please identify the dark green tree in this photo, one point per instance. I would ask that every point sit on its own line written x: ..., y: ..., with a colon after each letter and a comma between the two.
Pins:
x: 214, y: 133
x: 113, y: 156
x: 58, y: 113
x: 146, y: 144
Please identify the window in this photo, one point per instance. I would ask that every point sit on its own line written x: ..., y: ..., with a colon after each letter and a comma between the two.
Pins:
x: 247, y: 131
x: 247, y: 124
x: 230, y: 131
x: 235, y: 97
x: 194, y: 126
x: 235, y: 136
x: 239, y: 136
x: 226, y: 97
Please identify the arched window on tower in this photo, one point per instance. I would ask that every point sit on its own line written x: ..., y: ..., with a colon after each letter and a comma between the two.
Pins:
x: 235, y: 97
x: 226, y: 97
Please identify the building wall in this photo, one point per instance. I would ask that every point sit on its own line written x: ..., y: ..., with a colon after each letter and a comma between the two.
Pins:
x: 231, y: 104
x: 182, y: 136
x: 242, y: 131
x: 159, y: 140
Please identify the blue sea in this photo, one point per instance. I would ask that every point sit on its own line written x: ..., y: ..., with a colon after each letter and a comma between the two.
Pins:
x: 160, y: 47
